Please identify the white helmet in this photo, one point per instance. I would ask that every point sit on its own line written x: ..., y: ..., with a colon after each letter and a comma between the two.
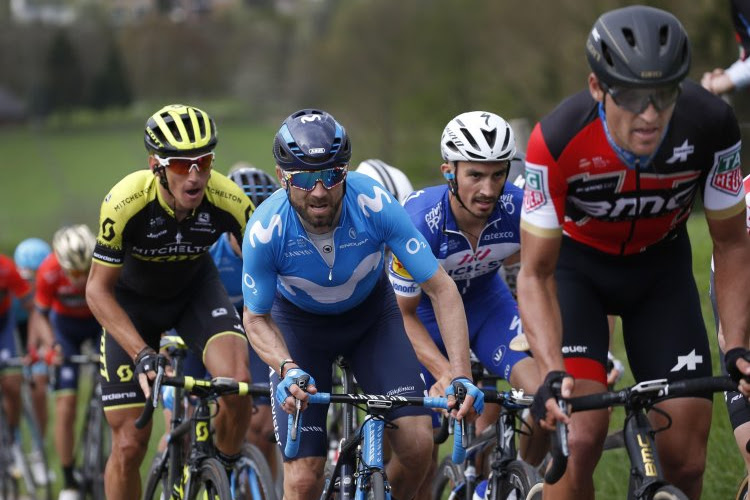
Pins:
x: 74, y: 247
x: 477, y: 136
x: 392, y: 178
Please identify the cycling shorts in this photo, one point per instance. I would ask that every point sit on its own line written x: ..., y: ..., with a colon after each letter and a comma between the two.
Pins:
x: 70, y: 332
x: 654, y: 293
x: 8, y: 344
x: 203, y: 310
x: 493, y: 320
x: 370, y: 336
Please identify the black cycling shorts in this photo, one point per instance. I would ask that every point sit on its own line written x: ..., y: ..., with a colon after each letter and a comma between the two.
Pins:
x: 654, y: 293
x: 199, y: 312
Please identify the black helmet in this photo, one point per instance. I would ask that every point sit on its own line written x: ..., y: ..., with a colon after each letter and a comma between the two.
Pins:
x: 638, y: 46
x: 177, y: 130
x: 311, y: 139
x: 256, y: 183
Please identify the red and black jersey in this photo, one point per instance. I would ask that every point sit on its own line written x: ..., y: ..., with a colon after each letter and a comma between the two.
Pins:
x: 577, y: 183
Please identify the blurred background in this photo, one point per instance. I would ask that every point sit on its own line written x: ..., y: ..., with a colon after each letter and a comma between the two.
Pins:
x: 80, y: 77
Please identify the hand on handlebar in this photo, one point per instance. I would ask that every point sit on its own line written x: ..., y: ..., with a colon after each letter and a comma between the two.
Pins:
x: 469, y: 397
x: 737, y: 363
x: 545, y: 408
x: 147, y: 363
x: 294, y: 388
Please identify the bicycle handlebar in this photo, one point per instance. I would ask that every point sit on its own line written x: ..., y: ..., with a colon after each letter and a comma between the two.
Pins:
x: 648, y: 392
x: 217, y: 386
x: 378, y: 402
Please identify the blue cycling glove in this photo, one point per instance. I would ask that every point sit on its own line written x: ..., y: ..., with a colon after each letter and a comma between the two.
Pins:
x: 292, y: 377
x: 471, y: 390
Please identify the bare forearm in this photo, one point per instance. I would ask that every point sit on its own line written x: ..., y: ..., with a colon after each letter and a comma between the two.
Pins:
x: 266, y: 339
x: 731, y: 274
x: 115, y: 321
x: 451, y: 319
x: 427, y: 352
x: 540, y: 315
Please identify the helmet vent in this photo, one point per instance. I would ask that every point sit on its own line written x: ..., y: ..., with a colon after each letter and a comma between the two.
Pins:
x: 506, y: 141
x: 490, y: 136
x: 469, y: 138
x: 607, y: 55
x: 629, y: 36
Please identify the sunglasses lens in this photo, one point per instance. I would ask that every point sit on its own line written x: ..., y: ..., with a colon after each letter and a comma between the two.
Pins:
x: 183, y: 166
x: 306, y: 180
x: 637, y: 100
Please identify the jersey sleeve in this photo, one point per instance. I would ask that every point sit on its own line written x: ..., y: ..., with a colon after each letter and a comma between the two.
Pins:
x: 723, y: 191
x: 46, y: 279
x: 223, y: 192
x: 545, y: 189
x: 402, y: 282
x: 408, y: 245
x: 16, y: 284
x: 258, y: 263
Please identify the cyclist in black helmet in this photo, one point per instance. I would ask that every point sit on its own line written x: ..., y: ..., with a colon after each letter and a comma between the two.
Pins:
x: 611, y: 177
x: 151, y: 272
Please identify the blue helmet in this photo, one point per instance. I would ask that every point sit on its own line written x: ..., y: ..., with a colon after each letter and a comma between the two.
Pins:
x: 311, y: 139
x: 30, y: 253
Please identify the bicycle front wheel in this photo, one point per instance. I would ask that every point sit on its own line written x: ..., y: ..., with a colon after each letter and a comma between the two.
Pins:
x: 213, y: 483
x: 518, y: 477
x: 157, y: 482
x: 252, y: 478
x: 669, y: 492
x: 449, y: 481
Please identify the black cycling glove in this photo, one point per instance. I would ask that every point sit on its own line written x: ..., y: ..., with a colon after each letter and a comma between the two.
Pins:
x: 146, y: 361
x: 550, y: 388
x: 730, y: 362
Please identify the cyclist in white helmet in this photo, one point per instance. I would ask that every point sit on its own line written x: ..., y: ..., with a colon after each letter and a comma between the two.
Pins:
x: 471, y: 225
x: 61, y: 322
x: 393, y: 179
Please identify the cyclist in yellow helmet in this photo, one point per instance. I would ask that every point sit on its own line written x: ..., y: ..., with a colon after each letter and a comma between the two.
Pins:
x: 151, y: 271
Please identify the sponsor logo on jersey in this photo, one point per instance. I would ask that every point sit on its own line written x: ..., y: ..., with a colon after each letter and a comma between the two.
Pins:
x: 129, y: 199
x: 262, y: 233
x: 507, y: 202
x: 681, y: 153
x: 533, y: 196
x: 204, y: 218
x: 374, y: 204
x: 219, y: 311
x: 502, y: 235
x: 432, y: 218
x: 399, y: 270
x: 727, y: 175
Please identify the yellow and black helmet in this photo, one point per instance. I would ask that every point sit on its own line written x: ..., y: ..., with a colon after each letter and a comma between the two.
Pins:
x: 177, y: 129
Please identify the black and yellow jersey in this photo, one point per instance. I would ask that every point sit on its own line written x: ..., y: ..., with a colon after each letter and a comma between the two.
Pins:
x: 159, y: 255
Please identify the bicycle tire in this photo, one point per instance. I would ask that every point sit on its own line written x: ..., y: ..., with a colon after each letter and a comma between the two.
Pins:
x: 213, y: 482
x: 376, y: 486
x: 95, y: 448
x: 517, y: 477
x: 157, y: 485
x: 742, y: 490
x: 669, y: 492
x: 251, y: 478
x: 449, y: 480
x: 34, y: 444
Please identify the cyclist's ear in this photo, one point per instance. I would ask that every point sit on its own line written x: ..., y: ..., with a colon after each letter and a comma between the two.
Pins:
x: 280, y: 177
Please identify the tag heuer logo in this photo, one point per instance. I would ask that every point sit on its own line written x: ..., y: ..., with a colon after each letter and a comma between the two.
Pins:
x: 727, y: 175
x: 533, y: 196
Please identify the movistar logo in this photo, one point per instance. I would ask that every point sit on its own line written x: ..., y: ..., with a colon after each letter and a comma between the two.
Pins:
x: 264, y: 234
x: 374, y: 204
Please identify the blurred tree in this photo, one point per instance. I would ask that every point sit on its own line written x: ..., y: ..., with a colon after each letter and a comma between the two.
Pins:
x: 63, y: 86
x: 111, y: 87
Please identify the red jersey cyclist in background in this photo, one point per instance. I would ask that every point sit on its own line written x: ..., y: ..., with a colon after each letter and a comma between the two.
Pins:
x: 62, y: 321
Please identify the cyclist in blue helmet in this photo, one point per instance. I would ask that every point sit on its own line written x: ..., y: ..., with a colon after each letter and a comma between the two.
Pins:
x: 314, y: 288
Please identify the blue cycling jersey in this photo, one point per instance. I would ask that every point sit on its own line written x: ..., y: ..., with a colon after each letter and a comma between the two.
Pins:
x: 279, y: 256
x: 473, y: 271
x: 229, y: 265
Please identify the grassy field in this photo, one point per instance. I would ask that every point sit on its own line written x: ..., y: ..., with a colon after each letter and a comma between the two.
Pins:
x: 56, y: 175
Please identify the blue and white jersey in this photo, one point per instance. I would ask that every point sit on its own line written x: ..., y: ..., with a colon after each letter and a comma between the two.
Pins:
x: 279, y: 256
x: 473, y: 271
x: 229, y: 265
